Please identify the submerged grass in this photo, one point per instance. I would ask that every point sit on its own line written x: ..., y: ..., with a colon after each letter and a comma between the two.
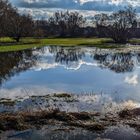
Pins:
x: 93, y: 121
x: 62, y: 95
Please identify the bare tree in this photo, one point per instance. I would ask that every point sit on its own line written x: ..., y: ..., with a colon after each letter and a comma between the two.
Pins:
x: 20, y: 26
x: 13, y: 24
x: 67, y: 23
x: 5, y: 9
x: 100, y: 21
x: 118, y: 25
x: 40, y: 29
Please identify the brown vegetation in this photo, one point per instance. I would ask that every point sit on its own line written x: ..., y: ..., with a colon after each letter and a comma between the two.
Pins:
x: 129, y: 113
x: 95, y: 121
x: 63, y: 95
x: 25, y: 120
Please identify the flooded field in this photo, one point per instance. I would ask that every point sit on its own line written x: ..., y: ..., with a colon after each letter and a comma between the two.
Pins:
x: 71, y: 80
x: 71, y: 69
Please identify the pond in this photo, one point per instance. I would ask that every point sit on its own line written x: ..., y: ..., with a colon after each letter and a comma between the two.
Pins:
x: 77, y: 70
x: 101, y: 80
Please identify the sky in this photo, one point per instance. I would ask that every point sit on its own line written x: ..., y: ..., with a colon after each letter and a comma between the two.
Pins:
x: 45, y: 8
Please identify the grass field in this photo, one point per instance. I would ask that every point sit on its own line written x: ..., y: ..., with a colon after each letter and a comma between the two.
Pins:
x: 7, y: 44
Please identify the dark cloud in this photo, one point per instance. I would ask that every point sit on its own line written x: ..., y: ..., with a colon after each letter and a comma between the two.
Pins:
x: 99, y: 5
x: 49, y: 4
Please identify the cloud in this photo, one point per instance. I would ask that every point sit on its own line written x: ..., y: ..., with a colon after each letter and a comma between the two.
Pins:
x: 21, y: 93
x: 48, y: 3
x: 101, y: 5
x: 72, y: 66
x: 93, y: 102
x: 44, y: 13
x: 132, y: 80
x: 40, y: 8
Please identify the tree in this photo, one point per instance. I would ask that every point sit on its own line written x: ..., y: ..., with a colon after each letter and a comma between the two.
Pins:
x: 118, y: 25
x: 5, y: 9
x: 40, y: 29
x: 101, y: 24
x: 66, y: 23
x: 20, y: 26
x: 13, y: 24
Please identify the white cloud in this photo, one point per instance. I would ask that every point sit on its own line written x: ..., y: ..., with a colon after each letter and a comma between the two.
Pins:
x: 46, y: 13
x: 21, y: 93
x: 132, y: 80
x: 44, y: 8
x: 50, y: 62
x: 101, y: 5
x: 71, y: 66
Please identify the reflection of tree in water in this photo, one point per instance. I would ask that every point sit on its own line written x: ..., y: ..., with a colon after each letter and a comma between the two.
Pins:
x: 12, y: 63
x: 15, y: 62
x: 118, y: 62
x: 138, y: 59
x: 66, y: 55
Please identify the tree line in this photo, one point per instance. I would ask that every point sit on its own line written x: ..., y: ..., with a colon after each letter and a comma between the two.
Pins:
x: 120, y: 26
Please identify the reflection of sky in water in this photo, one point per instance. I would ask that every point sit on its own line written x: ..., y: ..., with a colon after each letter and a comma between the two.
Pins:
x: 78, y: 71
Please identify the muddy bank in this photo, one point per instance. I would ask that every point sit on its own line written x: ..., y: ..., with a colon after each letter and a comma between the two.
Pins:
x: 26, y: 120
x: 37, y: 112
x: 94, y: 121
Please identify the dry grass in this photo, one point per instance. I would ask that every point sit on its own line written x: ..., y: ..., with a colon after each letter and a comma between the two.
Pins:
x: 62, y: 95
x: 25, y: 120
x: 129, y: 113
x: 89, y: 121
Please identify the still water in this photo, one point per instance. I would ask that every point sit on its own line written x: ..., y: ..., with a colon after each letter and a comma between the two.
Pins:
x: 77, y: 70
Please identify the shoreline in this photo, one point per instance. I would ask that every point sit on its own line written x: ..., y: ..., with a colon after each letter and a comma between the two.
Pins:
x: 41, y: 115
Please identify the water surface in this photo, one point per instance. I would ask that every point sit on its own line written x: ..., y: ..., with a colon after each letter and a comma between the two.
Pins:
x: 77, y: 70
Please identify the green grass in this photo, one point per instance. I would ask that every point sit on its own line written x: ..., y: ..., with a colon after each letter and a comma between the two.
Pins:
x: 8, y: 44
x: 135, y: 41
x: 6, y: 39
x: 76, y: 41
